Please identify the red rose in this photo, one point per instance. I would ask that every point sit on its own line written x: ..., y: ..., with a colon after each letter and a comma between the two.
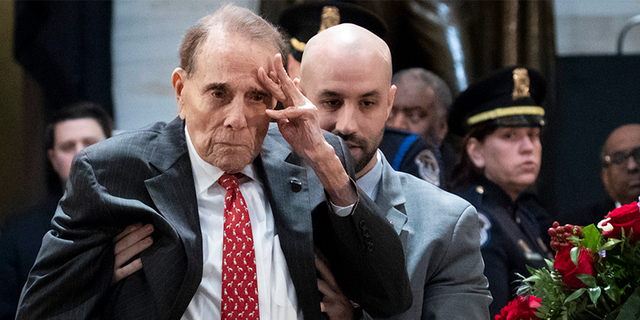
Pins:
x: 569, y: 270
x: 520, y: 308
x: 626, y: 217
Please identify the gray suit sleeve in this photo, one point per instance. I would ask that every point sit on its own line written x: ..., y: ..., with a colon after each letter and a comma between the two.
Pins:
x: 458, y: 288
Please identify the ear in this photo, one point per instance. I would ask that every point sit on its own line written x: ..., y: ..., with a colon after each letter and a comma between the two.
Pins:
x: 606, y: 180
x: 179, y: 77
x: 296, y: 82
x: 293, y: 67
x: 392, y: 97
x: 442, y: 127
x: 475, y: 151
x: 54, y: 161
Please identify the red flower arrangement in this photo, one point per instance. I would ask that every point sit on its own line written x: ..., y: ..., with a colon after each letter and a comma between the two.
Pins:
x: 595, y: 275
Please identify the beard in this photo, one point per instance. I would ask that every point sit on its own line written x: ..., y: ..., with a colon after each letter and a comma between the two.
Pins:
x: 368, y: 147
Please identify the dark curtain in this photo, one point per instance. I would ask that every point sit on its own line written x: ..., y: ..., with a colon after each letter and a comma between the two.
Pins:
x: 66, y: 47
x: 461, y: 41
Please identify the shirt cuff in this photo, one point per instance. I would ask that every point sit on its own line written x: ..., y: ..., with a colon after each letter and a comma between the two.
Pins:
x: 342, y: 211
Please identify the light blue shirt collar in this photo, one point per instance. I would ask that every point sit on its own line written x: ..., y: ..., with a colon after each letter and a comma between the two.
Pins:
x: 371, y: 180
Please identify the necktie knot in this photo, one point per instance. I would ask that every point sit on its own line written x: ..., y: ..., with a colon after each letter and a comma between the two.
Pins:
x: 229, y: 181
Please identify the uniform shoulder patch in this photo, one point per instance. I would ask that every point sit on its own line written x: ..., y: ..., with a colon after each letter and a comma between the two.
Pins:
x: 485, y: 226
x: 428, y: 166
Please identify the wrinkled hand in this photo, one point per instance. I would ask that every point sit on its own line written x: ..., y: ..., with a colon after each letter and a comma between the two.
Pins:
x: 130, y: 242
x: 298, y: 121
x: 335, y: 304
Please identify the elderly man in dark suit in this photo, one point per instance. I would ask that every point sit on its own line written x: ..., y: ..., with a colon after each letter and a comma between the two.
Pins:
x: 236, y: 214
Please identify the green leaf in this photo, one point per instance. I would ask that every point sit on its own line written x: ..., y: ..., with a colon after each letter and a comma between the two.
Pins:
x: 549, y: 264
x: 594, y: 294
x: 575, y: 295
x: 575, y: 253
x: 591, y: 237
x: 588, y: 279
x: 610, y: 244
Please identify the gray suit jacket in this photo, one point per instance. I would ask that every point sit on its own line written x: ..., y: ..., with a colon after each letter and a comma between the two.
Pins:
x: 440, y: 235
x: 146, y: 176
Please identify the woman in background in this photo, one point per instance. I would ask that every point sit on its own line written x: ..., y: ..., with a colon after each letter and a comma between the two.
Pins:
x: 500, y: 119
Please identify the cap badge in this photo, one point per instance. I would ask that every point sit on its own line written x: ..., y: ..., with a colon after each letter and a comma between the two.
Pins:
x: 330, y: 17
x: 520, y: 83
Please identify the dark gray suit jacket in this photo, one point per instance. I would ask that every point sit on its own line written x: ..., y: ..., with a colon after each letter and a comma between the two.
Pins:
x: 146, y: 176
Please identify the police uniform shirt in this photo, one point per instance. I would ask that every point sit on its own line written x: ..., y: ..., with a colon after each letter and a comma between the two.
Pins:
x: 510, y: 239
x: 407, y: 152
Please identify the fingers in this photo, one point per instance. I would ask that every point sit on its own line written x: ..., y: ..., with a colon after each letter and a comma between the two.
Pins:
x: 130, y: 252
x: 290, y: 113
x: 127, y: 231
x: 286, y: 84
x: 126, y: 239
x: 271, y: 84
x: 129, y: 269
x: 327, y: 276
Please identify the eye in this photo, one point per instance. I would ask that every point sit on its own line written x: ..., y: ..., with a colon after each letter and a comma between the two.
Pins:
x: 258, y: 96
x: 332, y: 104
x: 218, y: 94
x: 68, y: 146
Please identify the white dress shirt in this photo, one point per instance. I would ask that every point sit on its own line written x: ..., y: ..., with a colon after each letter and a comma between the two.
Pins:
x: 276, y: 293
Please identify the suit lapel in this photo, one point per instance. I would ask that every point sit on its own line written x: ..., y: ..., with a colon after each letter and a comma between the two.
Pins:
x: 172, y: 282
x: 390, y: 197
x: 289, y: 191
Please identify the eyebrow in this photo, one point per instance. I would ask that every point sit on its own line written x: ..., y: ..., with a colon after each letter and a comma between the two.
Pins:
x: 217, y: 86
x: 331, y: 94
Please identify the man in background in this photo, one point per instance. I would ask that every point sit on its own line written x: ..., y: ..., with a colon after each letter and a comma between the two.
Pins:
x: 405, y: 151
x: 346, y: 73
x: 421, y: 104
x: 620, y: 160
x: 70, y: 130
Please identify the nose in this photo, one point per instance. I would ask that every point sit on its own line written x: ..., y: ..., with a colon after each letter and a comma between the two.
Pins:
x: 346, y: 121
x: 632, y: 164
x: 79, y: 146
x: 526, y: 144
x: 235, y: 117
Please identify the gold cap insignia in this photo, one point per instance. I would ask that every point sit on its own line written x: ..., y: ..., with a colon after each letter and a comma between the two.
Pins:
x: 520, y: 83
x: 330, y: 17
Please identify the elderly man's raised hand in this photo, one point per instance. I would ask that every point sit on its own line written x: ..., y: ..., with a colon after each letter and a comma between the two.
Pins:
x: 298, y: 122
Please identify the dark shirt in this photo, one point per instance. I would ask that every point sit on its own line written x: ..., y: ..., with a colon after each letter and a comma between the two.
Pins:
x: 407, y: 152
x: 510, y: 238
x: 20, y: 240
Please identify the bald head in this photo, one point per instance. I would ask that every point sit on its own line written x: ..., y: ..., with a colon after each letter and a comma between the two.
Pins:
x: 621, y: 172
x: 346, y: 74
x: 345, y: 44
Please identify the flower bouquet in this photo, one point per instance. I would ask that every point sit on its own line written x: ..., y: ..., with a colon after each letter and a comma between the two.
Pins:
x: 595, y: 275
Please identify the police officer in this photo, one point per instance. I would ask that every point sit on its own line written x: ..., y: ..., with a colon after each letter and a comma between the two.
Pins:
x: 500, y: 119
x: 407, y: 152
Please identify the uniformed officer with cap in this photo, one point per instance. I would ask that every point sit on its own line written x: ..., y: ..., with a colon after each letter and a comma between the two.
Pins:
x: 406, y: 151
x: 500, y: 119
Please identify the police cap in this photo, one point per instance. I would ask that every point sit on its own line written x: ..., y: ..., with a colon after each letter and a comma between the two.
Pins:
x: 511, y: 97
x: 303, y: 21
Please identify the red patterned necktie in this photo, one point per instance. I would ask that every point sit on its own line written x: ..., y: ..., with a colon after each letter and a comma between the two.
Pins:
x: 239, y: 279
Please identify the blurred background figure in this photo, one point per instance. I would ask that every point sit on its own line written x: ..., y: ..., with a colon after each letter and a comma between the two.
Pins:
x: 69, y: 131
x: 620, y: 159
x: 405, y: 151
x: 421, y: 104
x: 500, y: 118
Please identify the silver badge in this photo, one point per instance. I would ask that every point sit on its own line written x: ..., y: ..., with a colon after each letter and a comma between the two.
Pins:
x: 485, y: 225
